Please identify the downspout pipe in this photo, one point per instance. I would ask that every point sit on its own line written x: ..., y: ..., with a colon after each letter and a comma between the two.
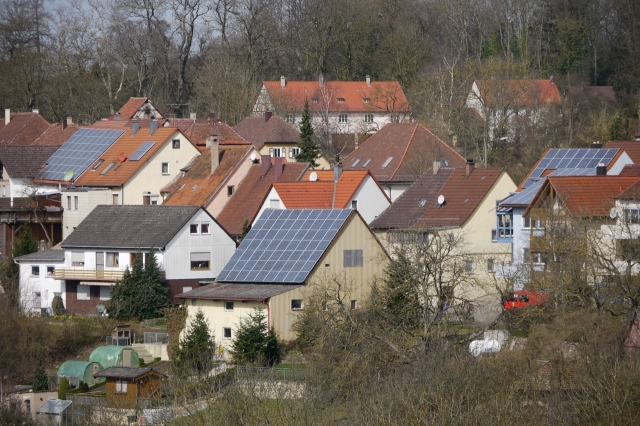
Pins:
x: 265, y: 302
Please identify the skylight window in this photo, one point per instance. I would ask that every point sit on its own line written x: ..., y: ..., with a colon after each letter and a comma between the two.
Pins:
x: 366, y: 163
x: 140, y: 152
x: 355, y: 163
x: 181, y: 186
x: 97, y: 164
x: 194, y: 187
x: 386, y: 163
x: 106, y: 169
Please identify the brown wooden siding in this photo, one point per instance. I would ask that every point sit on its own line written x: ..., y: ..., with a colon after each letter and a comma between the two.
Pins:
x: 75, y: 306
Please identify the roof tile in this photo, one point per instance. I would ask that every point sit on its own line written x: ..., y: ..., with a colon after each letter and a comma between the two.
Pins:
x: 522, y: 93
x: 259, y: 131
x: 23, y: 129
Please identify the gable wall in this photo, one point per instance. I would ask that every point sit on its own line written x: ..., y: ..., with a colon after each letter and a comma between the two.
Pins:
x: 371, y: 201
x: 216, y: 205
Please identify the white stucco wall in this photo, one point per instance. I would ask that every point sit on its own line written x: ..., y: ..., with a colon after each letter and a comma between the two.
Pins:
x: 45, y: 284
x: 371, y: 200
x: 273, y: 195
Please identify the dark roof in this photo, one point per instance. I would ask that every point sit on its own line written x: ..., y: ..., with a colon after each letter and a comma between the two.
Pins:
x: 124, y: 372
x: 130, y: 226
x: 224, y: 291
x: 401, y: 153
x: 25, y: 161
x: 632, y: 148
x: 23, y: 129
x: 411, y: 205
x: 248, y: 196
x: 57, y: 134
x: 200, y: 129
x: 55, y: 255
x: 259, y: 131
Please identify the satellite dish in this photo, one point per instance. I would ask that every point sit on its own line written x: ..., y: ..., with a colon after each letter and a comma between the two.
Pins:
x: 613, y: 213
x: 313, y: 177
x: 441, y: 199
x: 254, y: 157
x: 122, y: 157
x: 68, y: 175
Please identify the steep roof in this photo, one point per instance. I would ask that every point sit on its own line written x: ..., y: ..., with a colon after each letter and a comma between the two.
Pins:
x: 57, y: 134
x: 222, y: 291
x: 259, y: 131
x: 249, y: 195
x: 401, y: 153
x: 23, y: 129
x: 25, y: 161
x: 130, y: 226
x: 632, y: 148
x: 198, y: 185
x: 119, y: 171
x: 631, y: 193
x: 518, y: 93
x: 129, y: 109
x: 347, y: 96
x: 585, y: 196
x: 200, y: 129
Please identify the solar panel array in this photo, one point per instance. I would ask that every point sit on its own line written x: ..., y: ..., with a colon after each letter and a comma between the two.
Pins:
x: 524, y: 197
x: 79, y: 152
x: 283, y: 246
x: 574, y: 172
x: 571, y: 158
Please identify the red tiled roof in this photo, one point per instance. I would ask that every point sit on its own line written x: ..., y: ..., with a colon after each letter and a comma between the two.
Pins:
x: 521, y: 93
x: 411, y: 149
x: 633, y: 192
x: 57, y: 134
x: 347, y: 186
x: 323, y: 175
x: 305, y: 195
x: 259, y: 131
x: 630, y: 170
x: 130, y: 107
x: 632, y: 148
x: 23, y: 129
x: 199, y: 185
x: 200, y: 129
x: 347, y: 96
x: 585, y: 196
x: 249, y: 195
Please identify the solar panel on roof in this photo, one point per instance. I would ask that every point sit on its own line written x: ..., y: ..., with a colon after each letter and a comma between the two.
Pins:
x: 283, y: 246
x: 140, y: 152
x: 79, y: 152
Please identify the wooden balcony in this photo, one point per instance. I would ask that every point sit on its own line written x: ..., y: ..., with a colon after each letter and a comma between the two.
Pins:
x: 87, y: 274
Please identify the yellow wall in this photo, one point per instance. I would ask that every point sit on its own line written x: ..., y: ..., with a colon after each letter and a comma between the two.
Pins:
x: 323, y: 163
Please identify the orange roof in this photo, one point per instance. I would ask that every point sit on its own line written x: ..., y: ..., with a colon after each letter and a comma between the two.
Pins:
x: 130, y: 107
x: 632, y: 148
x: 347, y: 96
x: 121, y: 172
x: 323, y: 175
x: 584, y: 196
x: 522, y: 93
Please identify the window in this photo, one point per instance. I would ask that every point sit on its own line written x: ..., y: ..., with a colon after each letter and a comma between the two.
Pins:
x: 408, y: 237
x: 366, y: 163
x: 68, y: 202
x: 368, y: 118
x: 115, y: 200
x: 340, y: 100
x: 77, y: 258
x: 505, y: 225
x: 325, y: 306
x: 386, y: 163
x: 154, y: 200
x: 296, y: 305
x: 355, y: 163
x: 105, y: 292
x: 200, y: 261
x: 165, y: 168
x: 121, y: 386
x: 226, y: 332
x: 83, y: 292
x: 106, y: 169
x: 490, y: 265
x: 537, y: 223
x: 35, y: 271
x: 97, y: 164
x: 113, y: 259
x: 314, y: 100
x: 342, y: 118
x: 274, y: 204
x: 294, y: 152
x: 537, y: 258
x: 494, y: 235
x: 366, y: 100
x: 452, y: 238
x: 75, y: 203
x: 354, y: 204
x: 468, y: 266
x: 50, y: 270
x: 193, y: 302
x: 228, y: 306
x: 230, y: 189
x: 175, y: 144
x: 204, y: 228
x: 290, y: 118
x: 632, y: 216
x: 193, y: 228
x: 277, y: 152
x: 354, y: 305
x: 352, y: 258
x: 394, y: 118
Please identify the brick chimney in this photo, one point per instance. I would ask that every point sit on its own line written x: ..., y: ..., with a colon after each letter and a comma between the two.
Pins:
x: 278, y: 165
x: 7, y: 116
x: 469, y: 167
x: 265, y: 161
x: 214, y: 144
x: 267, y: 116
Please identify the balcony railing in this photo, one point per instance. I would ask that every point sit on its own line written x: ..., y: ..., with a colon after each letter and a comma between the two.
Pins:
x: 87, y: 274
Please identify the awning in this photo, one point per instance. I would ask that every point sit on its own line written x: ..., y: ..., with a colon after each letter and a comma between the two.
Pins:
x: 104, y: 283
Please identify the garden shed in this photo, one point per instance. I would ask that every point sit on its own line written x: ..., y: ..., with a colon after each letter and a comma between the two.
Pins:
x: 115, y: 356
x: 76, y: 371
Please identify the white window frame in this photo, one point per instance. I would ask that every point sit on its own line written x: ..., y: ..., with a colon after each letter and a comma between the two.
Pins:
x: 297, y: 304
x: 368, y: 118
x: 105, y: 289
x: 35, y: 268
x: 293, y: 152
x: 290, y: 118
x: 198, y: 255
x: 343, y: 118
x: 162, y: 168
x: 53, y: 268
x: 112, y: 259
x: 121, y: 386
x: 224, y: 333
x: 197, y: 231
x: 75, y: 258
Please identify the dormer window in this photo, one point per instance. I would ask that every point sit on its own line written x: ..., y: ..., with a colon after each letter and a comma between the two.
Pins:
x: 314, y: 100
x: 367, y: 100
x: 340, y: 100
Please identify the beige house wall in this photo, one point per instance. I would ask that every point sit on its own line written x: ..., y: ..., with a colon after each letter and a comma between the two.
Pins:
x: 221, y: 198
x: 87, y: 200
x: 323, y: 164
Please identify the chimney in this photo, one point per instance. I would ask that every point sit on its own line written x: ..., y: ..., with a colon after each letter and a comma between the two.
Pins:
x: 69, y: 121
x: 267, y: 116
x: 368, y: 80
x: 277, y: 170
x: 118, y: 117
x: 469, y: 167
x: 192, y: 116
x: 436, y: 166
x: 283, y: 82
x: 153, y: 126
x: 337, y: 171
x: 214, y: 144
x: 135, y: 126
x: 36, y: 111
x: 321, y: 80
x: 601, y: 170
x: 596, y: 145
x: 265, y: 161
x: 7, y: 116
x: 212, y: 118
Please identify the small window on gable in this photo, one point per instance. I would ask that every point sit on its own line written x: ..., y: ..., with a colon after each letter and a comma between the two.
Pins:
x: 274, y: 204
x: 228, y: 306
x: 352, y: 258
x: 97, y: 164
x: 386, y: 163
x: 354, y: 204
x: 230, y: 190
x: 176, y: 144
x: 194, y: 228
x: 165, y: 168
x: 204, y: 228
x: 296, y: 305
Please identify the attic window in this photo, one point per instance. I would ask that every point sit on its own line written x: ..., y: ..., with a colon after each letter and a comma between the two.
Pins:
x: 106, y: 169
x: 97, y: 164
x: 366, y: 100
x: 386, y: 163
x: 422, y: 203
x: 355, y: 163
x: 366, y: 163
x: 314, y: 100
x: 340, y: 100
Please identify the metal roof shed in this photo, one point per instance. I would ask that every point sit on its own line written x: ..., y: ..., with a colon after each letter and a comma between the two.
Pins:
x: 56, y: 410
x: 115, y: 356
x: 76, y: 371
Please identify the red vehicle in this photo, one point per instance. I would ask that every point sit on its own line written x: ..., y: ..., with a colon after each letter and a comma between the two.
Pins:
x: 523, y: 298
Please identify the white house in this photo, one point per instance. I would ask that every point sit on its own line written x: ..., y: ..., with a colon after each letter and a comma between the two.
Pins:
x: 38, y: 287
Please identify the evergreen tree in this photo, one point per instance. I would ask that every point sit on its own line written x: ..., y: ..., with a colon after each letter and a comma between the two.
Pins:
x: 197, y: 347
x: 63, y: 388
x: 309, y: 151
x: 152, y: 295
x: 40, y: 379
x: 24, y: 243
x: 400, y: 300
x: 254, y: 344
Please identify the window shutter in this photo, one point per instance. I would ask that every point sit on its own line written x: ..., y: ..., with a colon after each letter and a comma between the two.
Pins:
x: 77, y: 256
x: 200, y: 257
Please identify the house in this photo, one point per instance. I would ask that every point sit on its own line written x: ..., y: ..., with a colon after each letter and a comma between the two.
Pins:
x: 274, y: 137
x: 37, y: 285
x: 127, y: 385
x: 399, y: 154
x: 237, y: 214
x: 336, y: 107
x: 23, y: 396
x: 211, y: 179
x: 190, y: 246
x: 286, y: 255
x: 198, y: 130
x: 501, y: 102
x: 21, y: 128
x: 351, y: 189
x: 512, y: 225
x: 631, y: 148
x: 458, y: 202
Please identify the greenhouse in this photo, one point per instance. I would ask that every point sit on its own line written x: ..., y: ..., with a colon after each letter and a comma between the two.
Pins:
x: 77, y: 371
x: 115, y: 356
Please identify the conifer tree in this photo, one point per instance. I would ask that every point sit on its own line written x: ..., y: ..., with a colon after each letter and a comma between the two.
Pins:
x: 40, y: 379
x: 309, y: 151
x: 254, y: 343
x: 197, y: 347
